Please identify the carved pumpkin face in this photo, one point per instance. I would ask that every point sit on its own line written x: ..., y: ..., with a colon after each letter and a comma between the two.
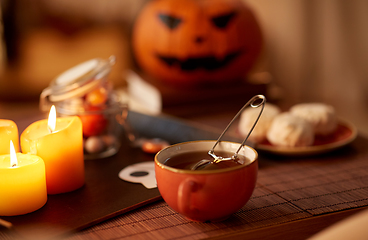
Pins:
x: 196, y: 41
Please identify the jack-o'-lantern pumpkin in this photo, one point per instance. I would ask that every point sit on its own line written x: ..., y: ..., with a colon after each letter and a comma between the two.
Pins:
x: 196, y: 41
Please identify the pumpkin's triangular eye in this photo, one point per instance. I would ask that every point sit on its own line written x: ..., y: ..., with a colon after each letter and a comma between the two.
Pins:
x: 170, y: 21
x: 223, y: 20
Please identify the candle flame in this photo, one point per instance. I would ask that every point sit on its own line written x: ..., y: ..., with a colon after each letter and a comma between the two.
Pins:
x: 13, y: 155
x: 52, y: 119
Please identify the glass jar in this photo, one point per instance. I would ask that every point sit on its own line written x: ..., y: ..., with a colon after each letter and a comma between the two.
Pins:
x: 85, y: 91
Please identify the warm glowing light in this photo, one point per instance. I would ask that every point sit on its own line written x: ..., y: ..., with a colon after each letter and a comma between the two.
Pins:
x: 52, y: 119
x: 13, y: 155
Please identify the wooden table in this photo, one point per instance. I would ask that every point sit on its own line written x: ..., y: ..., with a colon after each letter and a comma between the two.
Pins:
x: 294, y: 197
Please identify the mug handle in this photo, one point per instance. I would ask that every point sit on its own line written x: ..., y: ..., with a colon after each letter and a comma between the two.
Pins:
x: 186, y: 188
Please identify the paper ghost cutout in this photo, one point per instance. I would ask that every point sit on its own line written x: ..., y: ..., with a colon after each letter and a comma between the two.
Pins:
x: 143, y: 173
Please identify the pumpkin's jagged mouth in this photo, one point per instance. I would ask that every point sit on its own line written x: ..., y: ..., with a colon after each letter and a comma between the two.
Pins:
x: 208, y: 63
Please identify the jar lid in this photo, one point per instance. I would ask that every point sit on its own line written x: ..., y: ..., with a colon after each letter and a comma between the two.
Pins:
x: 77, y: 81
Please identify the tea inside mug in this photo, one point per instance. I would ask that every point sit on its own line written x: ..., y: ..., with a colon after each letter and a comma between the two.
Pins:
x: 187, y: 160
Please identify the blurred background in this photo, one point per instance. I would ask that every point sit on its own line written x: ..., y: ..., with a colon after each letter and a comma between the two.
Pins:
x: 315, y: 51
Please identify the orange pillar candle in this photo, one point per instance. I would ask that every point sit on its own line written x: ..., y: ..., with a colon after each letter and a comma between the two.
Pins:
x: 22, y: 184
x: 61, y: 149
x: 8, y: 131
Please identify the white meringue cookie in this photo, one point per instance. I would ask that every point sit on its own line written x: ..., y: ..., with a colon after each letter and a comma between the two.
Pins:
x: 249, y: 116
x: 288, y: 130
x: 321, y: 116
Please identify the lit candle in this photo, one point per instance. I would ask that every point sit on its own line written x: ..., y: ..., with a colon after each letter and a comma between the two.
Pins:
x: 22, y: 183
x: 59, y: 142
x: 8, y: 131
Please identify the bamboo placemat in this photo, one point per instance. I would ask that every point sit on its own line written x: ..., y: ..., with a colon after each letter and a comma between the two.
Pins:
x: 287, y: 189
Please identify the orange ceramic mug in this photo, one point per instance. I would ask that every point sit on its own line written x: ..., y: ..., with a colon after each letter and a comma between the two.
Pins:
x: 206, y: 195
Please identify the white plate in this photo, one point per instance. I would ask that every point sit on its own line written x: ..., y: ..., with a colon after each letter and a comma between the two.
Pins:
x: 352, y: 228
x: 345, y: 133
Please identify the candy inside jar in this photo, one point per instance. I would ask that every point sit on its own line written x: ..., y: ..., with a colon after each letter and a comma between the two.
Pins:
x: 85, y: 91
x: 101, y: 131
